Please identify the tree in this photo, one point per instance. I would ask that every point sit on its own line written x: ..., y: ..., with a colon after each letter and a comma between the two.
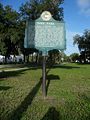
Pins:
x: 11, y: 31
x: 33, y: 9
x: 83, y: 43
x: 74, y: 57
x: 2, y: 44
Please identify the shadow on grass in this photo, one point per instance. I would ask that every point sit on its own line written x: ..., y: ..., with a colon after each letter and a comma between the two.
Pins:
x: 14, y: 73
x: 17, y: 114
x: 53, y: 77
x: 4, y: 87
x: 51, y: 114
x: 65, y: 67
x: 18, y: 65
x: 6, y: 74
x: 49, y: 78
x: 78, y: 109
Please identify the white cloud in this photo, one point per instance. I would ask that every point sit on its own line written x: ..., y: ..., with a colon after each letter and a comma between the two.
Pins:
x: 84, y: 6
x: 84, y: 3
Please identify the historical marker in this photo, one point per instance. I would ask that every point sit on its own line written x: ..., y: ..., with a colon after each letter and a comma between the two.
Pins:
x: 45, y: 34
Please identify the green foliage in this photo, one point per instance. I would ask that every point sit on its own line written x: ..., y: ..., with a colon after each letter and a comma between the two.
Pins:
x: 83, y: 43
x: 12, y: 24
x: 3, y: 49
x: 11, y: 31
x: 34, y: 8
x: 54, y: 57
x: 74, y: 57
x: 68, y: 93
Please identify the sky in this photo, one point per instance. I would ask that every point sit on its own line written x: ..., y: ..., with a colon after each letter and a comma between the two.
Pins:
x: 76, y: 17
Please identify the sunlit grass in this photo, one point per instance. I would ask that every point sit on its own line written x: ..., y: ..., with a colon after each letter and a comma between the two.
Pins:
x: 68, y: 94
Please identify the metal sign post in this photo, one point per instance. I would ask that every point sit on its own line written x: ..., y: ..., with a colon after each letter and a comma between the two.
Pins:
x: 45, y: 34
x: 44, y: 77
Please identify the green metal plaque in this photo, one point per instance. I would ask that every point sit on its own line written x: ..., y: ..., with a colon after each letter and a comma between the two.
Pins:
x: 45, y: 34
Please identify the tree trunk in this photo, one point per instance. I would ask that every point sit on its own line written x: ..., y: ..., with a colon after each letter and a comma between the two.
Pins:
x: 37, y: 58
x: 85, y: 56
x: 24, y: 58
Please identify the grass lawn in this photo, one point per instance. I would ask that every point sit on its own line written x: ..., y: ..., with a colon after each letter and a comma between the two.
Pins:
x: 68, y: 94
